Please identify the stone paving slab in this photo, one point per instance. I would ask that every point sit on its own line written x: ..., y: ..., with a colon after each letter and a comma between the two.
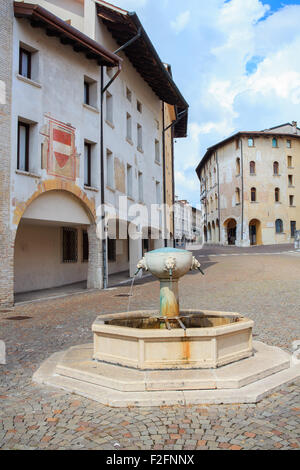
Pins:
x: 263, y: 288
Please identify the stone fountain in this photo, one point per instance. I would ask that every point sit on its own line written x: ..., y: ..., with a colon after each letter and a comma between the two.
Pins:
x: 175, y: 356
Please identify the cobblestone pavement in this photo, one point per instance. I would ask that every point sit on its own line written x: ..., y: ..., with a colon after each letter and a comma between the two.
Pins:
x: 266, y: 288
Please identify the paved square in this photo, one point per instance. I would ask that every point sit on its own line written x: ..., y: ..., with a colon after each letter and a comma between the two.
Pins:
x: 262, y: 285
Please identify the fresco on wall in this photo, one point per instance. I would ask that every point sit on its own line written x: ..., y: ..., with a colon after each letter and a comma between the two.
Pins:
x: 59, y: 153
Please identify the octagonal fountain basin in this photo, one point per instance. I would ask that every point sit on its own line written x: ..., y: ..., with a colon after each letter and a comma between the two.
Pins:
x: 195, y: 339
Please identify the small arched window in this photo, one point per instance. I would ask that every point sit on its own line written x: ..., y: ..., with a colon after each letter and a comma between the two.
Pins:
x: 216, y: 202
x: 211, y: 204
x: 277, y: 194
x: 279, y: 226
x: 237, y: 196
x: 238, y: 166
x: 276, y: 168
x: 274, y: 142
x: 253, y: 194
x: 252, y: 168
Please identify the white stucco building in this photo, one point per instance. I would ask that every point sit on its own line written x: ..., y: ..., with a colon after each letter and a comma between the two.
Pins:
x: 85, y: 126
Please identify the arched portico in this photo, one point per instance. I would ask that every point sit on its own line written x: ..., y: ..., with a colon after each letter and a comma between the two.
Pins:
x: 255, y: 234
x: 56, y: 239
x: 230, y: 226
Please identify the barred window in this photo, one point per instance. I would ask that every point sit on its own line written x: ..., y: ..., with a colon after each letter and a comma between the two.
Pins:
x: 279, y: 226
x: 69, y: 245
x: 85, y: 246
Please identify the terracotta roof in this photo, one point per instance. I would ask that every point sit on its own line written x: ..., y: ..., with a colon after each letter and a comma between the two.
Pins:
x: 123, y: 26
x: 54, y: 26
x: 267, y: 135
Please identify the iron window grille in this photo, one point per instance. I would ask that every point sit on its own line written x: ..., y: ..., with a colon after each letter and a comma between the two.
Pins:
x: 70, y: 244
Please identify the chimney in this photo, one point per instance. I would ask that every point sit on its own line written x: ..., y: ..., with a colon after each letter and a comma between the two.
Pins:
x: 294, y: 124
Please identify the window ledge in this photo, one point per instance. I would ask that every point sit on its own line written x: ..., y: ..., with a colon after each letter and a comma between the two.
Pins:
x: 91, y: 108
x: 274, y: 174
x: 291, y: 167
x: 129, y: 141
x: 91, y: 188
x: 293, y: 206
x: 157, y: 162
x: 110, y: 124
x: 291, y: 186
x: 254, y: 202
x: 110, y: 188
x: 140, y: 149
x: 28, y: 173
x: 238, y: 204
x: 28, y: 80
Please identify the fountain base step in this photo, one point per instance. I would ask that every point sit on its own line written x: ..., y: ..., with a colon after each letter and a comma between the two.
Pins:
x: 245, y: 381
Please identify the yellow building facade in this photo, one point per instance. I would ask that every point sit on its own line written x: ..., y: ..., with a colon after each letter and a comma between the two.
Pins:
x: 250, y: 189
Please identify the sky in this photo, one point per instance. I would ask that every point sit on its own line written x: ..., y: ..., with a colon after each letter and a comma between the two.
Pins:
x: 236, y: 62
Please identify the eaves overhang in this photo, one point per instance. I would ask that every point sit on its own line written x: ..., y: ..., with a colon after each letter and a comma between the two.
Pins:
x: 123, y: 26
x: 39, y: 17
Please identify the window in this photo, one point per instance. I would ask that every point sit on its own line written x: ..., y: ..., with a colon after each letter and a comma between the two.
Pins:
x: 290, y: 161
x: 276, y: 168
x: 289, y: 144
x: 109, y: 108
x: 69, y: 245
x: 279, y: 226
x: 293, y: 228
x: 237, y: 196
x: 129, y: 180
x: 238, y: 166
x: 158, y: 194
x: 23, y: 146
x: 128, y: 127
x: 274, y: 142
x: 157, y: 151
x: 128, y: 94
x: 291, y: 198
x: 253, y: 194
x: 85, y: 246
x: 111, y: 249
x: 139, y: 137
x: 252, y: 168
x: 110, y: 169
x: 139, y: 106
x: 87, y: 163
x: 141, y: 190
x: 86, y: 98
x: 216, y: 202
x: 25, y: 63
x: 290, y: 179
x: 250, y: 142
x: 277, y: 194
x: 90, y: 92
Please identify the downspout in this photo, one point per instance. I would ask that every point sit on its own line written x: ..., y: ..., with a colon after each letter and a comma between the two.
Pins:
x: 103, y: 90
x: 165, y: 129
x: 219, y: 202
x: 104, y: 239
x: 242, y: 174
x: 164, y: 172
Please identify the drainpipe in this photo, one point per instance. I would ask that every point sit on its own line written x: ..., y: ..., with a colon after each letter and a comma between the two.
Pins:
x: 242, y: 175
x: 103, y: 90
x: 219, y: 201
x: 165, y: 129
x: 164, y: 172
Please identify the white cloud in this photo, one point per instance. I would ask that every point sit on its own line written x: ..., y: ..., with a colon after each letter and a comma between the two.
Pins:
x: 181, y: 21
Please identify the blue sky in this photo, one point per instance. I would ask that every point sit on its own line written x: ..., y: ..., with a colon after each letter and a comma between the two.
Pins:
x: 236, y: 63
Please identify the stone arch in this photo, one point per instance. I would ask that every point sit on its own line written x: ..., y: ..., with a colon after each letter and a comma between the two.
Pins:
x: 230, y: 226
x: 255, y: 233
x: 89, y: 250
x: 56, y: 185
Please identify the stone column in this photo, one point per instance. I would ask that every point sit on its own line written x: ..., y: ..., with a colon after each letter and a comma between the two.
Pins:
x: 95, y: 267
x: 6, y: 235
